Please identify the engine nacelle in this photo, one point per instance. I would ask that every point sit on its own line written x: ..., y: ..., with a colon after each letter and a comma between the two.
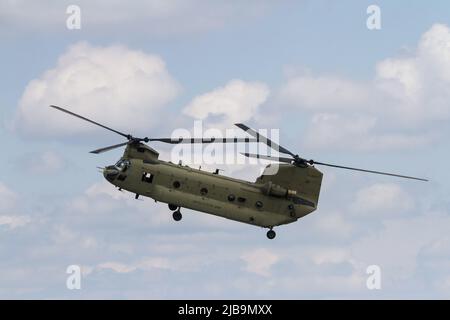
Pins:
x: 275, y: 190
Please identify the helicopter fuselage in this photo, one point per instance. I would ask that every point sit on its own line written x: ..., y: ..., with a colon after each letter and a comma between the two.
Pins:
x: 142, y: 173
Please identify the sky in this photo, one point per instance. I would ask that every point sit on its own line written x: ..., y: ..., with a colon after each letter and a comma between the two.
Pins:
x: 336, y: 90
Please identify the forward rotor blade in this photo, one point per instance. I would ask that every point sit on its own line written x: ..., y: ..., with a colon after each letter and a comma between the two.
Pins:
x: 263, y: 139
x: 260, y: 156
x: 101, y: 150
x: 364, y: 170
x: 91, y: 121
x: 202, y: 140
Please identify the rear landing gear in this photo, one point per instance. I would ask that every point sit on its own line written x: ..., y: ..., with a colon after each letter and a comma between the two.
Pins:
x: 173, y: 207
x: 177, y: 215
x: 271, y: 234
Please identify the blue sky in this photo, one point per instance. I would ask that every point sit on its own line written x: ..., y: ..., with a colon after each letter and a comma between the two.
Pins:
x: 337, y: 91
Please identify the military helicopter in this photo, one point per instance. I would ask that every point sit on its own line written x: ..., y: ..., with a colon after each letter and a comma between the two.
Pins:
x: 277, y: 197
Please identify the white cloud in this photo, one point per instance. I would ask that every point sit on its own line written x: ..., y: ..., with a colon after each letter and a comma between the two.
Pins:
x: 412, y: 88
x: 398, y: 246
x: 8, y: 208
x: 334, y: 225
x: 123, y: 88
x: 146, y: 264
x: 356, y: 131
x: 62, y: 234
x: 237, y: 101
x: 260, y: 261
x: 42, y: 163
x: 381, y: 199
x: 398, y: 108
x: 105, y: 189
x: 415, y: 89
x: 323, y: 92
x: 116, y: 266
x: 102, y: 199
x: 330, y: 255
x: 14, y: 221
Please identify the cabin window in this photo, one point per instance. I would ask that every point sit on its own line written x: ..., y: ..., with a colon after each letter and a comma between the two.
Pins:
x: 123, y: 165
x: 121, y: 177
x: 259, y: 204
x: 231, y: 197
x: 203, y: 191
x: 176, y: 184
x: 147, y: 177
x: 241, y: 199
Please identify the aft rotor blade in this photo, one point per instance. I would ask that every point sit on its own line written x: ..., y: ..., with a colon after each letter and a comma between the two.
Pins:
x: 202, y: 140
x: 260, y: 156
x: 364, y: 170
x: 263, y: 139
x: 101, y: 150
x: 91, y: 121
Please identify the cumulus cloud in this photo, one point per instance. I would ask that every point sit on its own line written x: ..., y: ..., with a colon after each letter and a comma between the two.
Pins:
x: 382, y: 199
x: 397, y: 108
x: 123, y: 88
x: 334, y: 225
x: 330, y: 255
x: 41, y: 162
x: 416, y: 88
x: 148, y: 263
x: 116, y: 266
x: 357, y: 131
x: 237, y: 101
x: 260, y: 261
x: 404, y: 245
x: 14, y: 221
x: 324, y: 92
x: 8, y: 209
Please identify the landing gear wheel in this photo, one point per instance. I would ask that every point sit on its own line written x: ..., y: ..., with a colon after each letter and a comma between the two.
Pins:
x: 173, y: 207
x: 177, y: 215
x: 271, y: 234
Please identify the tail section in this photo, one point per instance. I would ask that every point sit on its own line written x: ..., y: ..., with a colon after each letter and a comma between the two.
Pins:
x: 305, y: 181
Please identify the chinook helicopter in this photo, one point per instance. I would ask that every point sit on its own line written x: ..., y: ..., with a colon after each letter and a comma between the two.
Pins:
x: 282, y: 194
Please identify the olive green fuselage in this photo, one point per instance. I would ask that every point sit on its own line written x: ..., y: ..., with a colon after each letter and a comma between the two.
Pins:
x: 234, y: 199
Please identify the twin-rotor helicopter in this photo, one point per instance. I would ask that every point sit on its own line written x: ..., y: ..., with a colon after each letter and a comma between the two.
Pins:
x: 277, y: 197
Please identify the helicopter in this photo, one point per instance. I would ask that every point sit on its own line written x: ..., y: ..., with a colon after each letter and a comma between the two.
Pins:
x: 281, y: 195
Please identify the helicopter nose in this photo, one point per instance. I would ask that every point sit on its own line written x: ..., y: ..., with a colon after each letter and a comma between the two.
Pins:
x: 110, y: 173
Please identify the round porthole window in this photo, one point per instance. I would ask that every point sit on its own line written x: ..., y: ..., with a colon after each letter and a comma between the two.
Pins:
x: 203, y: 191
x: 259, y: 204
x: 231, y: 197
x: 176, y: 184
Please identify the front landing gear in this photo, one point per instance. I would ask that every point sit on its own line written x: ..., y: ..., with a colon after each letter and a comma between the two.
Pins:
x: 271, y: 234
x: 177, y: 215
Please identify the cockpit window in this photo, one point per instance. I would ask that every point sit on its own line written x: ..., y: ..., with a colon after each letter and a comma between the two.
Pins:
x: 123, y: 165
